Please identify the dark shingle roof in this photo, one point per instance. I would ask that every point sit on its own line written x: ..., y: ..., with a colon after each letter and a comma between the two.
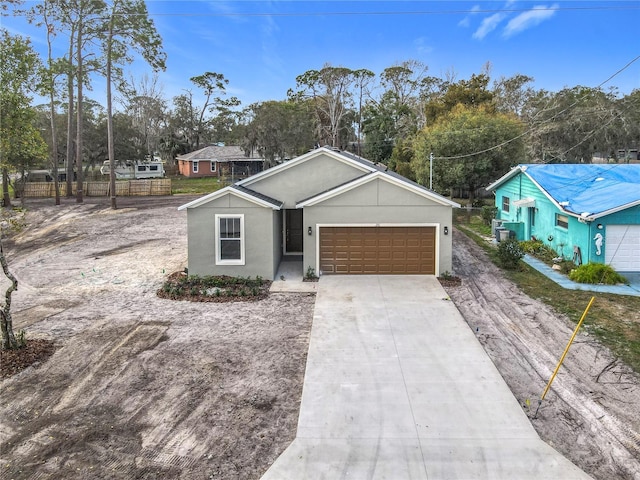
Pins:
x: 218, y: 153
x: 253, y: 193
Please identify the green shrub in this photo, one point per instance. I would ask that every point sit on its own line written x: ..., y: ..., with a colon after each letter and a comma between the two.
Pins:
x: 566, y: 266
x: 489, y: 213
x: 596, y: 273
x: 539, y: 250
x: 510, y: 253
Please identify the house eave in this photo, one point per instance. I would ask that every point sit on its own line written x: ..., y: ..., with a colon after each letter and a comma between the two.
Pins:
x: 368, y: 178
x: 301, y: 159
x: 229, y: 190
x: 611, y: 210
x: 507, y: 176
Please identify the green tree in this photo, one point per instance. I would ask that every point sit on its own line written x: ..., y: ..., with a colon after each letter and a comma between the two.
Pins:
x: 472, y: 147
x: 214, y: 87
x: 145, y: 105
x: 128, y: 26
x: 472, y: 93
x: 511, y: 94
x: 20, y: 142
x: 575, y: 123
x: 394, y: 117
x: 331, y: 94
x: 279, y: 129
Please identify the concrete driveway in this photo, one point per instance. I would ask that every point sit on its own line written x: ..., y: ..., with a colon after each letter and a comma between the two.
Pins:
x: 398, y: 387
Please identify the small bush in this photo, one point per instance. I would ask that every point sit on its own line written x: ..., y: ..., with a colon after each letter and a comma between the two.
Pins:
x: 566, y: 266
x: 510, y: 253
x: 539, y: 250
x: 488, y: 214
x: 596, y: 273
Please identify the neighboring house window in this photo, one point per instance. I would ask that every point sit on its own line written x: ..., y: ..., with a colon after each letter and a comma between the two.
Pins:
x: 505, y: 204
x: 213, y: 167
x: 230, y: 239
x: 562, y: 220
x: 195, y: 167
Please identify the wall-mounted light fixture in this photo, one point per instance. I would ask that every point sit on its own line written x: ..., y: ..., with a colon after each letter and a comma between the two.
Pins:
x: 446, y: 230
x: 599, y: 226
x: 309, y: 231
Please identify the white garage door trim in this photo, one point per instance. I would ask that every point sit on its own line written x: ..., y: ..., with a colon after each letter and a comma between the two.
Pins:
x: 436, y: 225
x: 622, y: 247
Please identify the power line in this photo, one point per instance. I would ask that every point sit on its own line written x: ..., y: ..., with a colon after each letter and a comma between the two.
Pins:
x: 398, y: 13
x: 533, y: 128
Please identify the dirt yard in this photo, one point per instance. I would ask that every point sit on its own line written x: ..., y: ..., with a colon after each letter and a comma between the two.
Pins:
x: 592, y: 413
x: 143, y: 387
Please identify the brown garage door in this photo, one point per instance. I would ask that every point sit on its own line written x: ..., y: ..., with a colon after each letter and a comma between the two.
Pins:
x: 378, y: 250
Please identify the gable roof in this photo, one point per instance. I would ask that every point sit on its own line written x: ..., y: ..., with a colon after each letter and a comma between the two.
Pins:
x: 359, y: 163
x: 218, y: 153
x: 370, y: 171
x: 393, y: 179
x: 588, y: 191
x: 238, y: 191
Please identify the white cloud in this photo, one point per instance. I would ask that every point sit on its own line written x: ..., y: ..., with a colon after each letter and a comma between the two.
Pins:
x: 466, y: 21
x: 270, y: 30
x: 423, y: 46
x: 488, y: 25
x: 531, y: 18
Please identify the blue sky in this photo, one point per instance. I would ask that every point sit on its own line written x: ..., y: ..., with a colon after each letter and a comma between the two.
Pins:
x: 262, y: 46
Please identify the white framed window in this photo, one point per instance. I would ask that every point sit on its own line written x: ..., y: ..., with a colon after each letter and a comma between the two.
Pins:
x: 562, y: 220
x: 213, y: 167
x: 229, y: 239
x: 195, y: 167
x: 505, y: 204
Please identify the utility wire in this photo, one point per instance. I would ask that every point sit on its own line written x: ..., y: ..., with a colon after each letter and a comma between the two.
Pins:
x: 537, y: 126
x: 395, y: 13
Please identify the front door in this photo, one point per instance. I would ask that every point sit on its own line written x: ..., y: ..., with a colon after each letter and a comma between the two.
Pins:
x: 293, y: 231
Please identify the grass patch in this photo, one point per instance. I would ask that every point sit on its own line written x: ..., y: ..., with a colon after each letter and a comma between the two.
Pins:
x: 472, y: 220
x: 613, y: 319
x: 194, y: 186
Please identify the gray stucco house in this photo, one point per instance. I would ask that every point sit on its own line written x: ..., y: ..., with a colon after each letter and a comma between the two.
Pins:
x: 336, y: 212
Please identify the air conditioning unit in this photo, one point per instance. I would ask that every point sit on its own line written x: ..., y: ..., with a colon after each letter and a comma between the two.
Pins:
x: 495, y: 224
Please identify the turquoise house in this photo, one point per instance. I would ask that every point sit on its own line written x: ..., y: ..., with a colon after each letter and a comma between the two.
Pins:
x: 586, y: 212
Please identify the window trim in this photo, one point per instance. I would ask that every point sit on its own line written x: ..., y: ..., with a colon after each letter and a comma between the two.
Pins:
x: 532, y: 216
x: 220, y: 261
x: 562, y: 220
x: 195, y: 167
x: 505, y: 203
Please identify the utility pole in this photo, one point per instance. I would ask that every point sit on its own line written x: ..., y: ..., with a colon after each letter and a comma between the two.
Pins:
x: 431, y: 171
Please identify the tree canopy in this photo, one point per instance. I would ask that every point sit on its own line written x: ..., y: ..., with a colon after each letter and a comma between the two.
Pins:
x: 20, y: 142
x: 472, y: 146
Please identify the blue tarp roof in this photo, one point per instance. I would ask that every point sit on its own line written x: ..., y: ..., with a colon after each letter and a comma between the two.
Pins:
x: 593, y: 189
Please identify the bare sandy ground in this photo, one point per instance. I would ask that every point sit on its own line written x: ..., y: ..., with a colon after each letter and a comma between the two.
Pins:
x: 142, y: 387
x: 592, y: 413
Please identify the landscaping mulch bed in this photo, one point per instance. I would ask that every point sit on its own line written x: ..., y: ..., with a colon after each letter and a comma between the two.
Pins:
x: 219, y: 289
x: 34, y: 352
x: 450, y: 281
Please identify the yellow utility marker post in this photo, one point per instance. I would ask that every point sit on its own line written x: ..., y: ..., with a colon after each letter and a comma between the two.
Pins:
x: 564, y: 354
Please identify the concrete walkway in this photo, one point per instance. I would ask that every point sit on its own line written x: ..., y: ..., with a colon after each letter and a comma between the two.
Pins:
x: 290, y: 277
x: 633, y: 288
x: 398, y: 387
